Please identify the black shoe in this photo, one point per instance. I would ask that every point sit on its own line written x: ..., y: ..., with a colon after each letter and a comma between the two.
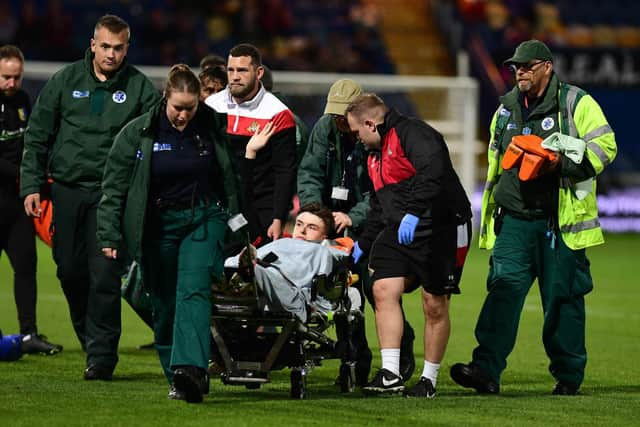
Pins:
x: 38, y: 344
x: 407, y: 360
x: 175, y: 394
x: 97, y: 372
x: 565, y: 389
x: 384, y: 382
x: 423, y: 388
x: 192, y: 381
x: 472, y: 376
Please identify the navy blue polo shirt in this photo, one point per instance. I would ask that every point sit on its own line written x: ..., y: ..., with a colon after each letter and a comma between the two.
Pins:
x: 180, y: 164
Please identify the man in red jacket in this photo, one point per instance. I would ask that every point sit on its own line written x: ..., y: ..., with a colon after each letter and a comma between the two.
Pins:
x: 417, y: 232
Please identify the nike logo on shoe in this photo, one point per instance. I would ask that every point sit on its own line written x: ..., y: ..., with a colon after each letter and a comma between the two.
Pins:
x: 384, y: 382
x: 389, y: 383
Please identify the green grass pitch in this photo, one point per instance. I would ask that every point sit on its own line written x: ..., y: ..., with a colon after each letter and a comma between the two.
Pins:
x: 39, y: 390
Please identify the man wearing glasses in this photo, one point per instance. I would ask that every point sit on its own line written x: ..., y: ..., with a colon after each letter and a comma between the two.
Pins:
x: 539, y: 228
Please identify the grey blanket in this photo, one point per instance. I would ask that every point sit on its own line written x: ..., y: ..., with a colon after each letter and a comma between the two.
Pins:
x: 286, y: 285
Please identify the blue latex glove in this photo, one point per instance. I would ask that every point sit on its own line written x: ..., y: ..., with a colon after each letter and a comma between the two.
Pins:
x: 407, y: 229
x: 357, y: 253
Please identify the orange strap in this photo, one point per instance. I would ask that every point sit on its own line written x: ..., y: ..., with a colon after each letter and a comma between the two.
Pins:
x: 42, y: 224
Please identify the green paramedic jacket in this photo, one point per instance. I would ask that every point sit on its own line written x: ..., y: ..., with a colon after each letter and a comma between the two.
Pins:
x: 573, y: 112
x: 74, y: 121
x: 316, y: 178
x: 125, y: 185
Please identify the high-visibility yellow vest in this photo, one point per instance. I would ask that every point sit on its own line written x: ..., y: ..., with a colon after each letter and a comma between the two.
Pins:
x: 579, y: 116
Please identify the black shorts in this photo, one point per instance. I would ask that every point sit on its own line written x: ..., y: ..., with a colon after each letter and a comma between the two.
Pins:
x: 434, y: 261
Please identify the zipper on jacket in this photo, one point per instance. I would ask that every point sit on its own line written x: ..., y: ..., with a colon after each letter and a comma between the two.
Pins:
x: 379, y: 156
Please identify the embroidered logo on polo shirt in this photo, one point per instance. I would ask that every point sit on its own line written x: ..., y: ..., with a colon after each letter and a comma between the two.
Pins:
x: 158, y: 146
x: 77, y: 94
x: 254, y: 127
x: 119, y: 97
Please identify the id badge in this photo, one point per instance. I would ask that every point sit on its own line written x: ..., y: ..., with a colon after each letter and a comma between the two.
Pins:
x: 236, y: 222
x: 340, y: 193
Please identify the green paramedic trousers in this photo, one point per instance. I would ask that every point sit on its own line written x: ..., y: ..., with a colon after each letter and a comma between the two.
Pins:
x: 182, y: 252
x: 523, y: 252
x: 90, y: 281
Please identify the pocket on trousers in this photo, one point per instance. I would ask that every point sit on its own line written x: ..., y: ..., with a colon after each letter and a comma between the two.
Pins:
x: 582, y: 283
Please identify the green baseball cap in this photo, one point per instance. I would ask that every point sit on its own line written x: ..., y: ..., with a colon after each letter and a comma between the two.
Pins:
x: 528, y: 51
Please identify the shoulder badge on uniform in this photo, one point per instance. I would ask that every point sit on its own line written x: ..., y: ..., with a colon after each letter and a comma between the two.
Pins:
x: 119, y: 97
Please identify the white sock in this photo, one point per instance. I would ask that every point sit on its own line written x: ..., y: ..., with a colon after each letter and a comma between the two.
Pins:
x: 430, y: 371
x: 391, y: 360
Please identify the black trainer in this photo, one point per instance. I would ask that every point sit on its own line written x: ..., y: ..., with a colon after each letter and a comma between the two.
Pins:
x: 38, y: 344
x: 472, y: 376
x: 423, y: 388
x: 384, y: 382
x: 97, y: 372
x: 565, y: 389
x: 192, y: 381
x: 175, y: 394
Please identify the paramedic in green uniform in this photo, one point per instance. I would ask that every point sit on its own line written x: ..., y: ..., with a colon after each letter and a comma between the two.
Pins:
x: 78, y: 113
x: 540, y: 228
x: 166, y: 192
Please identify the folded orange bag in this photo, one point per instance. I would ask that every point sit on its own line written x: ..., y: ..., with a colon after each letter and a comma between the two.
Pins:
x: 530, y: 166
x: 512, y: 157
x: 526, y: 152
x: 532, y: 144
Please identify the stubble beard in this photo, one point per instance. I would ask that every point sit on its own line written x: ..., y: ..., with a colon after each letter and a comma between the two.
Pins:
x: 243, y: 91
x: 524, y: 86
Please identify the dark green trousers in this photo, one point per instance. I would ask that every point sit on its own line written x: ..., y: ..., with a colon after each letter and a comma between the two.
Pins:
x: 182, y: 251
x: 522, y: 253
x: 90, y: 281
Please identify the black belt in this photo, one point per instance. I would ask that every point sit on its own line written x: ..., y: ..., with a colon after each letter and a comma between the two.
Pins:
x: 166, y: 204
x: 526, y: 216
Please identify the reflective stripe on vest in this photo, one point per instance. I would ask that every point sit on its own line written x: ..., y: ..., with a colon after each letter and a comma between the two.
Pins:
x: 581, y: 226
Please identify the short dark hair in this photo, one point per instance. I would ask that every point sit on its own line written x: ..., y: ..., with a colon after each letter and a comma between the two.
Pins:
x: 367, y: 103
x: 246, y: 49
x: 114, y: 24
x: 322, y: 212
x: 212, y: 73
x: 181, y: 79
x: 10, y: 51
x: 267, y: 78
x: 212, y: 61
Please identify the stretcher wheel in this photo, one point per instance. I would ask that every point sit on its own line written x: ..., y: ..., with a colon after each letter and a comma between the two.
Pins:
x: 298, y: 383
x: 347, y: 377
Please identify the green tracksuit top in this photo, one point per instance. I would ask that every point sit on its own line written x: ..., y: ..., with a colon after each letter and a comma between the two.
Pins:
x: 74, y: 121
x: 324, y: 166
x: 127, y: 177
